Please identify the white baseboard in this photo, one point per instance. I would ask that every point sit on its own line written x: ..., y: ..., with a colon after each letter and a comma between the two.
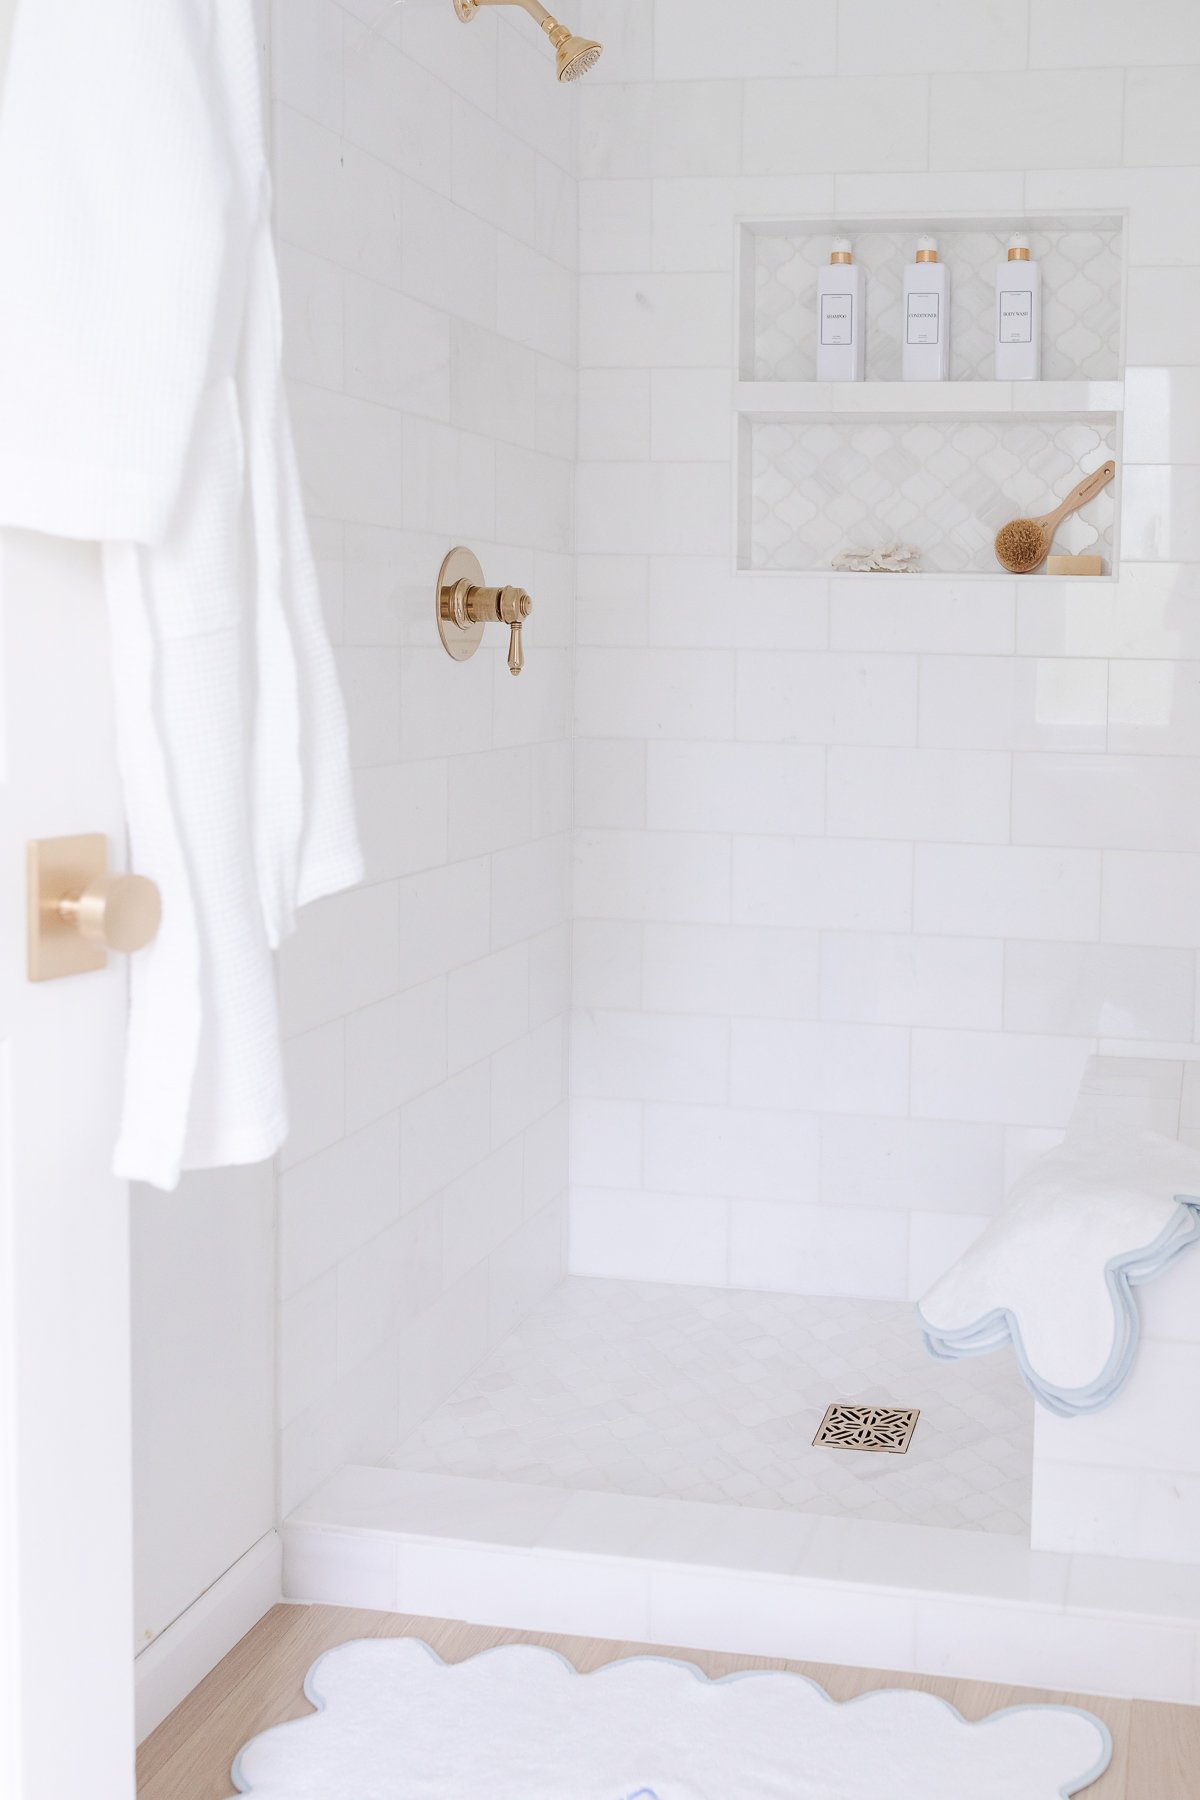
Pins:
x: 168, y: 1669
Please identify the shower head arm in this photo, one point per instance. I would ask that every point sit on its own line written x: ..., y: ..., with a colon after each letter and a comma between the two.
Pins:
x: 532, y: 7
x: 575, y: 55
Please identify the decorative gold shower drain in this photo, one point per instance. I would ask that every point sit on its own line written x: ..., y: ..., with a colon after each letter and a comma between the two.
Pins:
x: 887, y: 1428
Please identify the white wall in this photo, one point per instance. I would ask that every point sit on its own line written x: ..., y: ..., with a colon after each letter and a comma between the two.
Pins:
x: 426, y: 207
x: 421, y: 1194
x: 203, y: 1271
x: 829, y: 994
x: 203, y: 1264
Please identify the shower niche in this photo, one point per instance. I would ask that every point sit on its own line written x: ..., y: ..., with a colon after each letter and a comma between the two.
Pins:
x: 828, y: 467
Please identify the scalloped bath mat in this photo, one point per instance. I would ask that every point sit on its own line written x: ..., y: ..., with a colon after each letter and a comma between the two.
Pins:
x: 517, y: 1723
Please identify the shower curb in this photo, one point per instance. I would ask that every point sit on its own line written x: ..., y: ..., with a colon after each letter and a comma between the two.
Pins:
x: 914, y: 1599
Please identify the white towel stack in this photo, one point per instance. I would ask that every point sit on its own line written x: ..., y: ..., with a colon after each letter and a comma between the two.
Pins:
x: 1054, y: 1273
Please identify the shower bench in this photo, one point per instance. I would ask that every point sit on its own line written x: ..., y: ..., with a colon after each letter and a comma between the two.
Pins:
x: 1126, y: 1481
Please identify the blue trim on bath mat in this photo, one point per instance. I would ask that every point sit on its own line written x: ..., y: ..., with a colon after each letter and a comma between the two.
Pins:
x: 314, y: 1696
x: 1122, y: 1275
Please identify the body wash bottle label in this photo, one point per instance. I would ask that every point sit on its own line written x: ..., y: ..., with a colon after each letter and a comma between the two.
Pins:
x: 1018, y: 345
x: 1016, y: 316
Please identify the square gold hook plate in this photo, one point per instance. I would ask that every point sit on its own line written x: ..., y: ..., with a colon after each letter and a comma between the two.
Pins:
x: 78, y: 911
x: 57, y: 869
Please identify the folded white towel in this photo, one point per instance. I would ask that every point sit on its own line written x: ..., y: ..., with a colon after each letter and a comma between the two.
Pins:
x: 141, y: 403
x: 1054, y: 1272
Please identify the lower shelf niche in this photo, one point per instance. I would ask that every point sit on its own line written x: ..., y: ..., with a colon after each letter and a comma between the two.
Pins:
x: 812, y: 487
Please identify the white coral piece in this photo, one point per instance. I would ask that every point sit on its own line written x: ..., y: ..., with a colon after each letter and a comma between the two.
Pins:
x: 889, y: 559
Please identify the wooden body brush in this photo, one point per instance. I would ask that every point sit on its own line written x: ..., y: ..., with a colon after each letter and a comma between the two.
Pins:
x: 1024, y: 544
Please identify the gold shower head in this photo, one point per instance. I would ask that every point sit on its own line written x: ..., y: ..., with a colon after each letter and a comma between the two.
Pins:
x: 574, y: 56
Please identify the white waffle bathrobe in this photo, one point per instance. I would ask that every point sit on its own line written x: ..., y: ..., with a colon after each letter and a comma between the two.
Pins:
x: 141, y: 404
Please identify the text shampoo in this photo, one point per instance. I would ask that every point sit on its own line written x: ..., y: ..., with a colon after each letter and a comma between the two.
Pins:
x: 841, y: 317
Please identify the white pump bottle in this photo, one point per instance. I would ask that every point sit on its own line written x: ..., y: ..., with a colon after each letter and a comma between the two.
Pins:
x: 926, y: 349
x: 841, y: 317
x: 1018, y: 314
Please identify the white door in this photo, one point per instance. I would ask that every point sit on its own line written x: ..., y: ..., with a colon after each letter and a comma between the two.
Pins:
x: 66, y: 1676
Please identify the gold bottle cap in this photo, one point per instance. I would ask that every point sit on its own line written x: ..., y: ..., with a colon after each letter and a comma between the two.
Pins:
x: 927, y: 250
x: 842, y: 252
x: 1018, y: 248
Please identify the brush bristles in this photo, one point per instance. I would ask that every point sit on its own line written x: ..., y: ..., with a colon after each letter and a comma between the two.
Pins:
x: 1021, y: 546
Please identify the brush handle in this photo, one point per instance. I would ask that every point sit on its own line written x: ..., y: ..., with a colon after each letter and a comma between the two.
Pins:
x: 1079, y: 496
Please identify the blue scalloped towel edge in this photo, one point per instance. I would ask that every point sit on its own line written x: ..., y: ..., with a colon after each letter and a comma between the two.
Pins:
x: 314, y: 1696
x: 1122, y: 1275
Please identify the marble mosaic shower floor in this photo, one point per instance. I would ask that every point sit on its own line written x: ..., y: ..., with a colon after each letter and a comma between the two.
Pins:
x: 702, y: 1394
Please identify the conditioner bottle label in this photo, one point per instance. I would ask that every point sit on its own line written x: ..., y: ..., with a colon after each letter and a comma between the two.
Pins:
x: 924, y: 318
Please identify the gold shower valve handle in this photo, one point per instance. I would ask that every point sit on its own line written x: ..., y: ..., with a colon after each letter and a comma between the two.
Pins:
x: 513, y: 607
x: 510, y: 606
x: 465, y: 605
x: 121, y: 912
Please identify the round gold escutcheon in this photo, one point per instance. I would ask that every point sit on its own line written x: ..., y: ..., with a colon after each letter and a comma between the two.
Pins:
x: 461, y: 636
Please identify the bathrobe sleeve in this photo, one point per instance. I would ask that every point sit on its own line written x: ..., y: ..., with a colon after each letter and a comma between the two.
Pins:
x: 116, y: 185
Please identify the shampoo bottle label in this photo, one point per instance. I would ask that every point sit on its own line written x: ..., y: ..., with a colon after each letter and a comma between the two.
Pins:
x: 1016, y: 316
x: 837, y: 318
x: 924, y: 318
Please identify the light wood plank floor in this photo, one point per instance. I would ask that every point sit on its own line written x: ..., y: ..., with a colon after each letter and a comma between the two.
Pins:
x: 1156, y: 1748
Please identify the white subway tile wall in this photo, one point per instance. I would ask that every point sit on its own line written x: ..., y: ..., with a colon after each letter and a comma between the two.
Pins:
x: 426, y: 200
x: 864, y: 871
